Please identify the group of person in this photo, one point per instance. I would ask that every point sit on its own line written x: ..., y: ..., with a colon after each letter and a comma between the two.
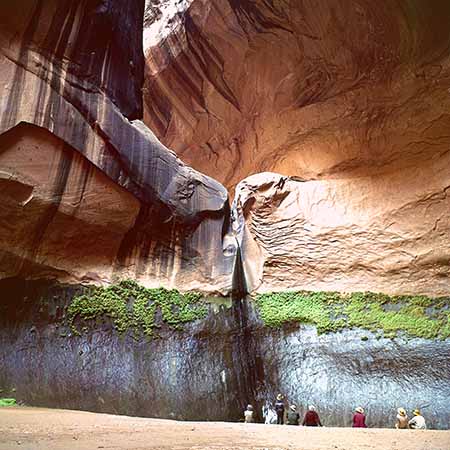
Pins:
x: 417, y: 422
x: 312, y: 419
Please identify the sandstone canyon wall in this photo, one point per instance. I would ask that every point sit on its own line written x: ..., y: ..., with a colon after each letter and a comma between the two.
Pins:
x: 344, y: 103
x: 349, y: 99
x: 88, y: 193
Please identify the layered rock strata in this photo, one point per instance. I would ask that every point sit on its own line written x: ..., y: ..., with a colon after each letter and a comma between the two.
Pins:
x: 78, y: 177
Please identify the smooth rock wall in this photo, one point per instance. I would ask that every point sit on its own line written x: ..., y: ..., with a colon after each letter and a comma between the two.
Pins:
x: 215, y: 367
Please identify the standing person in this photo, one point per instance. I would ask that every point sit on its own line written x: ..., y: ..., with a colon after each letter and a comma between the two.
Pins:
x: 418, y: 421
x: 279, y: 408
x: 293, y: 417
x: 248, y: 414
x: 359, y: 418
x: 402, y: 419
x: 311, y: 418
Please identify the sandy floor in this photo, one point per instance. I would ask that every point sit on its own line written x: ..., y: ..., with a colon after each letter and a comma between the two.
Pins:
x: 47, y: 429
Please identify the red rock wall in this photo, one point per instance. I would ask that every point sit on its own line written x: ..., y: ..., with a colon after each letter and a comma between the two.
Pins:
x: 61, y: 212
x: 351, y: 97
x: 92, y: 195
x: 314, y: 89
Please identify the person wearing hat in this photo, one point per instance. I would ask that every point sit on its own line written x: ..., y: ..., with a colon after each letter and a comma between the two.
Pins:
x: 293, y: 417
x: 311, y: 418
x: 248, y: 414
x: 402, y: 419
x: 359, y: 418
x: 279, y: 408
x: 417, y: 422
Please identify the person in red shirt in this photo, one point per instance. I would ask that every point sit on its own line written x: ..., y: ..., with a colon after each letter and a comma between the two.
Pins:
x: 311, y: 418
x: 359, y: 418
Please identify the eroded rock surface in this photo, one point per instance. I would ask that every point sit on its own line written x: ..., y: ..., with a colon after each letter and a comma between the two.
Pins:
x: 315, y: 89
x: 75, y: 69
x: 386, y: 233
x: 350, y: 97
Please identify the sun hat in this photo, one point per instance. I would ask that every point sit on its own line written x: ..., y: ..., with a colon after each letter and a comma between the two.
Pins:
x: 359, y: 409
x: 279, y: 397
x: 293, y: 407
x: 311, y: 408
x: 401, y: 411
x: 416, y: 412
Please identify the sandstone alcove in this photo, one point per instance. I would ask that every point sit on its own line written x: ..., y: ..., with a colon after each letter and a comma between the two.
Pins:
x: 209, y: 202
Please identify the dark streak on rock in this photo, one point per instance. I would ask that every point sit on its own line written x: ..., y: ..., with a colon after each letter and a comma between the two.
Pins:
x: 42, y: 225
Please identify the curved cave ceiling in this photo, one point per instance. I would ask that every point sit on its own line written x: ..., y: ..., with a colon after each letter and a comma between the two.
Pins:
x: 328, y: 120
x: 311, y: 89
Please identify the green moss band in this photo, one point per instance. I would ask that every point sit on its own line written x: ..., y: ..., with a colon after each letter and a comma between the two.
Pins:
x: 416, y: 316
x: 134, y: 307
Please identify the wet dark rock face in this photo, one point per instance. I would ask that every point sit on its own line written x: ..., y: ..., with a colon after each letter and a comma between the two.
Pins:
x: 88, y: 45
x: 212, y: 369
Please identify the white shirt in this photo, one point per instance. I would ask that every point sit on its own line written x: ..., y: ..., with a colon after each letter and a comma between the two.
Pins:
x: 248, y: 415
x: 418, y: 423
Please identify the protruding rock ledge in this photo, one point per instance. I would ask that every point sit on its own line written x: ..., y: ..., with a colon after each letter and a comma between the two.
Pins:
x: 388, y: 233
x: 154, y: 218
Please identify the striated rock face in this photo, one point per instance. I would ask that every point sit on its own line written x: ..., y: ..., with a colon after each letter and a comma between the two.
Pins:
x: 316, y: 89
x: 350, y: 97
x: 87, y: 194
x: 78, y: 48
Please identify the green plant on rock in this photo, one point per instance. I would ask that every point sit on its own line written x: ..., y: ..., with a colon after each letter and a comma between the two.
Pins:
x: 131, y: 306
x: 333, y: 311
x: 7, y: 402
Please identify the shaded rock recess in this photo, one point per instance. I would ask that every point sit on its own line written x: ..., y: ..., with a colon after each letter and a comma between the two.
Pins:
x: 78, y: 173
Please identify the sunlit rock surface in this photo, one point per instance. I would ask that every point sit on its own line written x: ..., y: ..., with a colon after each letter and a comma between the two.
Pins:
x: 316, y: 89
x: 351, y: 97
x: 79, y: 178
x: 388, y: 233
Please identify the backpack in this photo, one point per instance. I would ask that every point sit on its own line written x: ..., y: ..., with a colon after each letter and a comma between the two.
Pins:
x: 279, y: 406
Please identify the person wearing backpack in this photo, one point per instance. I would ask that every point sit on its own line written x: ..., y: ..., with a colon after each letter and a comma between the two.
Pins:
x: 279, y: 408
